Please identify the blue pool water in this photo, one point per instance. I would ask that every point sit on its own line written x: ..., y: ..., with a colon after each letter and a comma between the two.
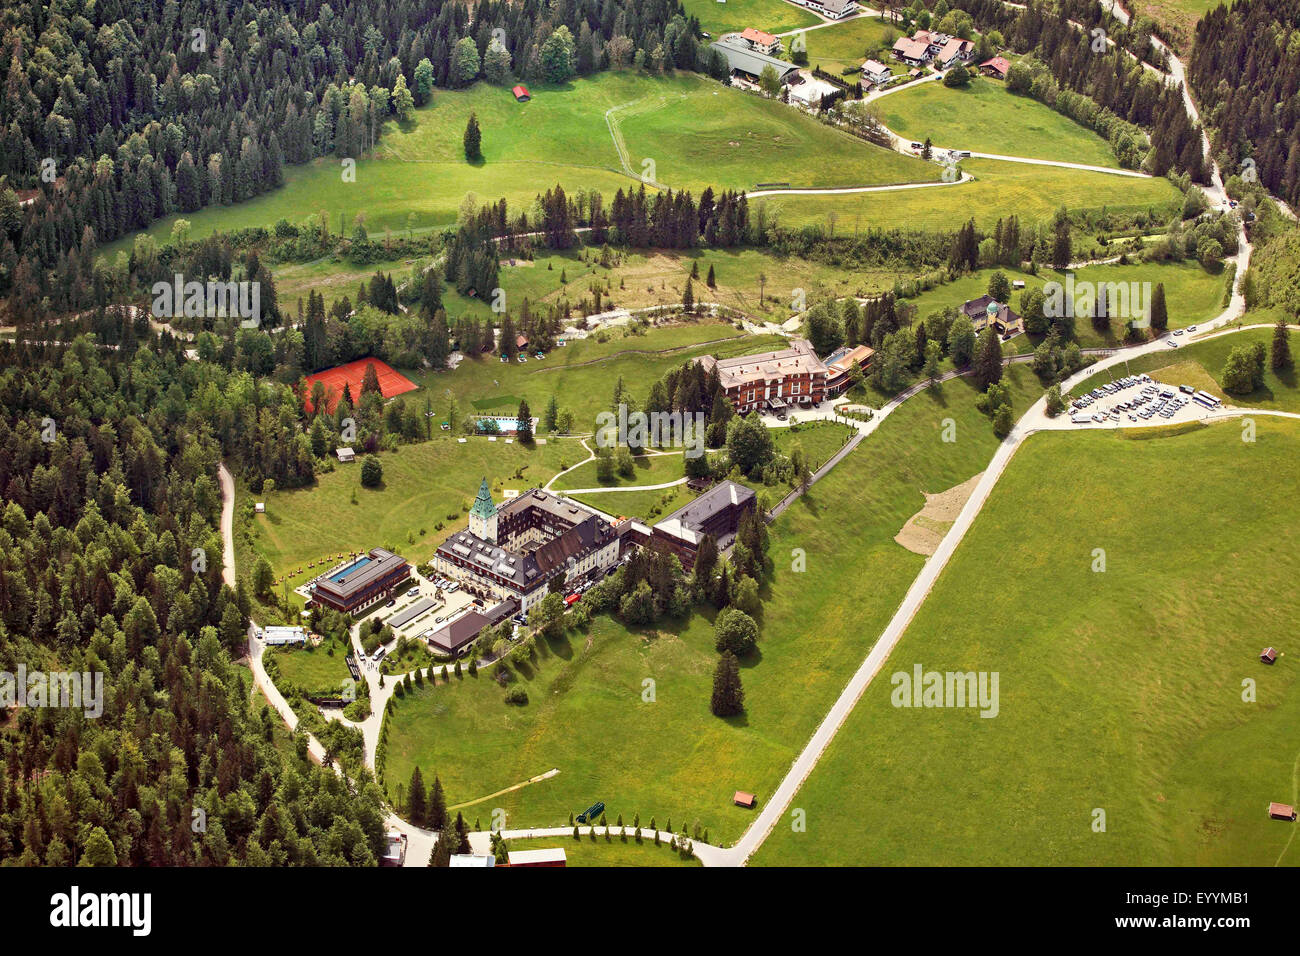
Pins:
x: 354, y: 566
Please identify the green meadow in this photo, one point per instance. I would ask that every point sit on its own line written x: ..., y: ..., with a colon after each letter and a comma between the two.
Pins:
x: 985, y: 117
x: 727, y: 16
x: 846, y: 44
x: 647, y: 470
x: 1126, y: 733
x: 645, y: 505
x: 616, y: 850
x: 587, y: 716
x: 757, y: 282
x: 1192, y: 294
x: 693, y: 131
x: 582, y: 374
x: 1000, y: 189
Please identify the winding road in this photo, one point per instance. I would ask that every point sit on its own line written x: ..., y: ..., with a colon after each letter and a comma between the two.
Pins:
x: 420, y: 841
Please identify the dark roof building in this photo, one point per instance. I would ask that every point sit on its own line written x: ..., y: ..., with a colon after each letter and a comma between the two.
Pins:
x: 717, y: 512
x: 514, y: 551
x: 749, y: 63
x: 986, y: 311
x: 455, y: 636
x: 361, y: 582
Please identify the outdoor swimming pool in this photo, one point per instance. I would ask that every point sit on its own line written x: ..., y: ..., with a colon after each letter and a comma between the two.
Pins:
x: 356, y: 565
x: 505, y: 424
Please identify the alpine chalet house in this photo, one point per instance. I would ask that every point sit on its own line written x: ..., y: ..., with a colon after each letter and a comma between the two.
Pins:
x: 771, y: 380
x: 765, y: 43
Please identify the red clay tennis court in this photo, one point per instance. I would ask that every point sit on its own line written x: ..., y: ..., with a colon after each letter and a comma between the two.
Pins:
x: 391, y: 382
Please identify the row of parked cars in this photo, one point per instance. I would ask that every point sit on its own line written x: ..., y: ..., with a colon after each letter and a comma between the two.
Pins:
x: 1152, y: 399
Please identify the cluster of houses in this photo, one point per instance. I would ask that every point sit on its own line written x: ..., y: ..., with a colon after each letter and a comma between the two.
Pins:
x: 943, y: 52
x: 926, y: 48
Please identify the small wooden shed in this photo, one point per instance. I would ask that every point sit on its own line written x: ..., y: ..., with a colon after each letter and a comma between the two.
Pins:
x: 521, y: 93
x: 1281, y: 811
x: 1268, y: 655
x: 743, y: 799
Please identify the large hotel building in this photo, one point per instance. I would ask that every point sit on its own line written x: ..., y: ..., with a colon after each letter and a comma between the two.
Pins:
x: 512, y: 552
x: 361, y: 582
x: 777, y: 380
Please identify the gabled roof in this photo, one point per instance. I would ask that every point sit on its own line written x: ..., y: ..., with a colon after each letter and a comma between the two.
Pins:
x: 998, y: 63
x: 954, y: 47
x: 911, y: 49
x: 757, y: 36
x: 688, y: 520
x: 741, y: 57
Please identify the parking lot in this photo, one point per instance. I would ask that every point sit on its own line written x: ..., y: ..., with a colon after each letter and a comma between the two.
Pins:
x: 444, y: 605
x: 1140, y: 400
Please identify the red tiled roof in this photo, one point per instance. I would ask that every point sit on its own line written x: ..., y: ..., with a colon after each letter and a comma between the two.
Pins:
x: 757, y: 36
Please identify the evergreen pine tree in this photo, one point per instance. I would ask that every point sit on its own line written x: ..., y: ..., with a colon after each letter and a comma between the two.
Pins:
x: 436, y: 815
x: 415, y: 799
x: 1159, y: 311
x: 728, y: 695
x: 1281, y: 346
x: 473, y: 140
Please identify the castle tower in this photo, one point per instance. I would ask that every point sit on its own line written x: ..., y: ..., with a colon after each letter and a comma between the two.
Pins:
x: 483, y: 515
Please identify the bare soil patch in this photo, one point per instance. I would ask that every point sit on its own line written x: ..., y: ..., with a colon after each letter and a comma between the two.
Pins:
x: 923, y: 531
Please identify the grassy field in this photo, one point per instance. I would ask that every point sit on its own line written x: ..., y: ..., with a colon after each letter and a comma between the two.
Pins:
x: 649, y: 470
x: 1119, y: 691
x: 646, y: 505
x: 725, y: 16
x: 1000, y: 189
x: 583, y: 373
x: 614, y: 851
x: 846, y: 44
x: 1201, y: 364
x: 986, y: 118
x: 819, y: 440
x: 671, y: 758
x: 313, y: 669
x: 1177, y: 16
x: 697, y: 133
x: 637, y: 280
x: 335, y: 278
x: 1192, y: 294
